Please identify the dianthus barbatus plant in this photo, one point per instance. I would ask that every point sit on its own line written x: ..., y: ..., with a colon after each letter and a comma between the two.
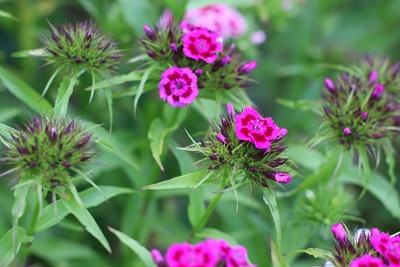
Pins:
x: 360, y: 113
x: 200, y: 51
x: 47, y: 152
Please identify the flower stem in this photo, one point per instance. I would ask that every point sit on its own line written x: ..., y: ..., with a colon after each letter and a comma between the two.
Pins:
x: 202, y: 222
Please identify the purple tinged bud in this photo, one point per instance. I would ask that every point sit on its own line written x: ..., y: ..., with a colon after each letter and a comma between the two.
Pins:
x: 85, y: 158
x: 378, y: 90
x: 246, y: 68
x: 149, y: 32
x: 70, y: 126
x: 33, y: 164
x: 230, y: 109
x: 67, y: 164
x: 151, y: 54
x: 227, y: 86
x: 89, y: 36
x: 364, y: 115
x: 221, y: 138
x: 378, y: 135
x: 83, y: 141
x: 53, y: 134
x: 373, y: 76
x: 198, y: 72
x: 347, y: 131
x: 328, y: 111
x: 339, y: 233
x: 36, y: 123
x: 23, y: 151
x: 282, y: 177
x: 213, y: 157
x: 55, y: 37
x: 225, y: 61
x: 174, y: 48
x: 329, y: 85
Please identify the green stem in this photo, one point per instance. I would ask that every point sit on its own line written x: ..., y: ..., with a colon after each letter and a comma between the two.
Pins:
x: 202, y: 222
x: 35, y: 216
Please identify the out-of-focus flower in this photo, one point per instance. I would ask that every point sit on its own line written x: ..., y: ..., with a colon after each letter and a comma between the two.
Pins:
x: 209, y: 253
x: 201, y: 44
x: 258, y: 37
x: 367, y: 261
x: 80, y: 46
x: 387, y: 246
x: 178, y: 86
x: 221, y: 18
x: 48, y: 151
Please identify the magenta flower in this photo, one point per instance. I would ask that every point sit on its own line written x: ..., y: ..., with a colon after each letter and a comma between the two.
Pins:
x: 178, y: 86
x: 387, y: 246
x: 220, y: 18
x: 201, y: 44
x: 367, y: 261
x: 250, y: 126
x: 378, y: 91
x: 283, y: 177
x: 347, y: 131
x: 339, y: 233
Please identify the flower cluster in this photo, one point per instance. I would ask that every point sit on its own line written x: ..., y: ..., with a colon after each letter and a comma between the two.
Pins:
x: 248, y: 144
x: 47, y: 151
x: 196, y: 51
x: 209, y: 253
x: 359, y: 108
x: 80, y: 46
x: 228, y: 22
x: 366, y: 248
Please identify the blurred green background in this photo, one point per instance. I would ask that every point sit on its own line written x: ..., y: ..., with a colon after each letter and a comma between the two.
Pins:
x: 301, y: 37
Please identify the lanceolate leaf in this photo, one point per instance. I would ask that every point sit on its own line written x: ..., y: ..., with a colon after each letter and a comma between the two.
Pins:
x: 91, y: 197
x: 270, y: 199
x: 9, y: 246
x: 74, y: 205
x: 24, y: 92
x: 277, y: 259
x: 141, y: 251
x: 189, y: 180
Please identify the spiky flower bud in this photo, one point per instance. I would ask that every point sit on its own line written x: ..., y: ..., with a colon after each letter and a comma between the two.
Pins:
x: 48, y: 151
x: 80, y: 46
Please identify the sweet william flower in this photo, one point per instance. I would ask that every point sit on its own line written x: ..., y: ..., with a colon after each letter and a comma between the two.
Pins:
x: 220, y: 18
x: 201, y: 44
x: 178, y: 86
x: 367, y: 261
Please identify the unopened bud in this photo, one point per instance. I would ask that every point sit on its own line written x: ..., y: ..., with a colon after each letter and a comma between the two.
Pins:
x: 329, y: 85
x: 373, y: 76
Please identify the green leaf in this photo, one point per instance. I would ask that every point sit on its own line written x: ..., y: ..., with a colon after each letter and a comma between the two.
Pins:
x: 117, y: 80
x: 304, y: 105
x: 8, y: 244
x: 74, y: 205
x: 138, y: 13
x: 140, y: 89
x: 377, y: 185
x: 91, y: 197
x: 196, y: 207
x: 7, y: 15
x: 24, y: 92
x: 189, y: 180
x: 270, y: 199
x: 64, y: 93
x: 315, y: 252
x: 137, y: 248
x: 306, y: 157
x: 277, y: 259
x: 7, y: 113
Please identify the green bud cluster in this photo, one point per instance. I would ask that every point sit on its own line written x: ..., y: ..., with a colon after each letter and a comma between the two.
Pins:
x: 80, y: 46
x: 48, y: 151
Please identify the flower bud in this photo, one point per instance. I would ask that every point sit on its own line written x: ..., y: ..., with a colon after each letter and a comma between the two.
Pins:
x: 347, y: 131
x: 246, y: 68
x: 373, y: 76
x: 339, y: 233
x: 329, y: 85
x: 149, y: 33
x: 378, y: 90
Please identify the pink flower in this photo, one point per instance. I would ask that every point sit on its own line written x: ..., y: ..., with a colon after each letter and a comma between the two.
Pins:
x: 339, y: 233
x: 250, y: 126
x: 201, y: 44
x: 157, y: 257
x: 367, y: 261
x: 236, y: 257
x: 220, y: 18
x: 387, y: 246
x: 282, y: 177
x: 186, y: 255
x: 178, y: 86
x: 378, y: 90
x: 347, y: 131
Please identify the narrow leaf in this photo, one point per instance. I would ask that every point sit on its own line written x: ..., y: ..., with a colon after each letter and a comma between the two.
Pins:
x: 189, y: 180
x: 8, y: 245
x: 90, y: 198
x: 74, y: 205
x: 270, y: 199
x: 196, y: 206
x: 142, y: 83
x: 137, y: 248
x: 24, y: 92
x: 277, y: 259
x: 64, y: 93
x: 117, y: 80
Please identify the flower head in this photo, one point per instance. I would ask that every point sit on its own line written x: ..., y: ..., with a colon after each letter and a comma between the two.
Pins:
x: 178, y: 86
x: 48, y: 151
x: 80, y: 46
x: 221, y: 18
x: 249, y: 144
x: 209, y: 253
x: 201, y: 44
